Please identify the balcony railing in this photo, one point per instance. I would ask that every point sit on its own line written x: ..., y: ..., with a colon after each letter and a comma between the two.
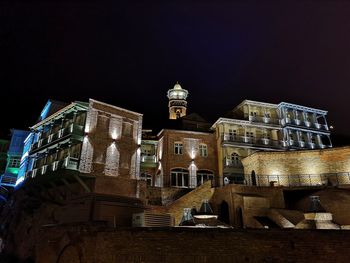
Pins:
x: 304, y: 123
x: 72, y: 129
x: 68, y: 163
x: 299, y: 179
x: 307, y: 145
x: 232, y: 163
x: 263, y: 119
x: 264, y: 142
x: 148, y: 159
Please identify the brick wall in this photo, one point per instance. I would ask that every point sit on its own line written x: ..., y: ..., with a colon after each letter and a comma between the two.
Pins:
x: 86, y: 244
x: 307, y: 162
x: 170, y: 160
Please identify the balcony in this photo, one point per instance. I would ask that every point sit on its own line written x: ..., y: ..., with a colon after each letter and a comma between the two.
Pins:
x: 149, y: 160
x: 312, y: 145
x: 307, y: 123
x: 263, y: 119
x: 297, y: 121
x: 262, y: 142
x: 68, y: 163
x: 71, y: 130
x: 304, y: 123
x: 232, y: 163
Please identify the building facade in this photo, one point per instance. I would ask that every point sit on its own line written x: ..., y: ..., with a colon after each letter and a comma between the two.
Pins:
x: 303, y: 127
x: 256, y: 126
x: 14, y: 154
x: 94, y: 138
x: 186, y: 159
x: 149, y: 158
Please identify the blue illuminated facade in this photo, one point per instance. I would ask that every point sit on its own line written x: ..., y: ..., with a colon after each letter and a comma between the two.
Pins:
x: 32, y: 138
x: 14, y: 154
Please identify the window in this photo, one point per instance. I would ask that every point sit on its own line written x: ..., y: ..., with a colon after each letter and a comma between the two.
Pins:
x: 178, y: 147
x: 249, y: 134
x: 179, y: 177
x: 14, y: 162
x: 267, y: 114
x: 232, y: 133
x: 146, y: 177
x: 235, y: 159
x: 204, y: 175
x: 266, y: 135
x: 203, y: 150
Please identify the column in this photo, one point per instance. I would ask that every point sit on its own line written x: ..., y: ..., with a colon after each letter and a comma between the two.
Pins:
x: 325, y: 122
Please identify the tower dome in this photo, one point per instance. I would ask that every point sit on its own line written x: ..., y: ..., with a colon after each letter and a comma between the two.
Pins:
x: 177, y: 86
x: 177, y: 101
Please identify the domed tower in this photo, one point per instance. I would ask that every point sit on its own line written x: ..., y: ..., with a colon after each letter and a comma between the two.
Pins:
x: 177, y: 102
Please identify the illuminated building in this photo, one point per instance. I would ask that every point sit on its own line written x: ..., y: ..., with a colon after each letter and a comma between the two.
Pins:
x: 149, y: 160
x: 26, y: 161
x: 256, y: 126
x: 90, y: 138
x: 14, y: 154
x: 186, y: 159
x: 177, y: 102
x: 303, y: 127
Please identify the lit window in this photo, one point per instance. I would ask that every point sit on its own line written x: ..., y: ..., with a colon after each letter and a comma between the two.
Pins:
x: 14, y: 162
x: 204, y: 175
x: 203, y: 150
x: 235, y: 159
x: 178, y: 147
x: 179, y: 177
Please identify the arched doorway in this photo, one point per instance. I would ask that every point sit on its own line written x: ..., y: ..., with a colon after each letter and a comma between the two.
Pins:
x: 224, y: 212
x: 239, y: 217
x: 253, y: 177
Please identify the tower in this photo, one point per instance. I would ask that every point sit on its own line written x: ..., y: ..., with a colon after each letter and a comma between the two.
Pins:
x: 177, y: 102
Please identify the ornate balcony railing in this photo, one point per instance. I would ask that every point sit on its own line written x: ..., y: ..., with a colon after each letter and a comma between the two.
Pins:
x: 72, y: 129
x: 148, y: 158
x: 69, y: 163
x: 263, y: 119
x: 262, y: 142
x: 304, y: 123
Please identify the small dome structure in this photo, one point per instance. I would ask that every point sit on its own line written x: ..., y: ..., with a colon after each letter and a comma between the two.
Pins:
x: 177, y: 86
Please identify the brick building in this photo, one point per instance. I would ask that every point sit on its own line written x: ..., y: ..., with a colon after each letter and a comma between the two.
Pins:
x: 186, y: 158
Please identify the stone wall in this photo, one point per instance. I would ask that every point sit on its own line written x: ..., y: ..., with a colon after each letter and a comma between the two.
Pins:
x: 86, y: 244
x: 308, y: 166
x: 245, y: 202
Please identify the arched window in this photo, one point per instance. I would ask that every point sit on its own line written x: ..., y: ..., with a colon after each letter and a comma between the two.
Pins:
x: 235, y: 159
x: 204, y: 175
x: 179, y: 177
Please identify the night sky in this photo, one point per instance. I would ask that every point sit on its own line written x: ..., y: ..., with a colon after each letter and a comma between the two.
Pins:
x: 130, y: 53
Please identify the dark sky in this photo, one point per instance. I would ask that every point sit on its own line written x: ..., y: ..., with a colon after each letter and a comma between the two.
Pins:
x: 130, y: 53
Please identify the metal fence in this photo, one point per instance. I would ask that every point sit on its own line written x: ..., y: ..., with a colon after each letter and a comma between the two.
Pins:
x: 298, y: 179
